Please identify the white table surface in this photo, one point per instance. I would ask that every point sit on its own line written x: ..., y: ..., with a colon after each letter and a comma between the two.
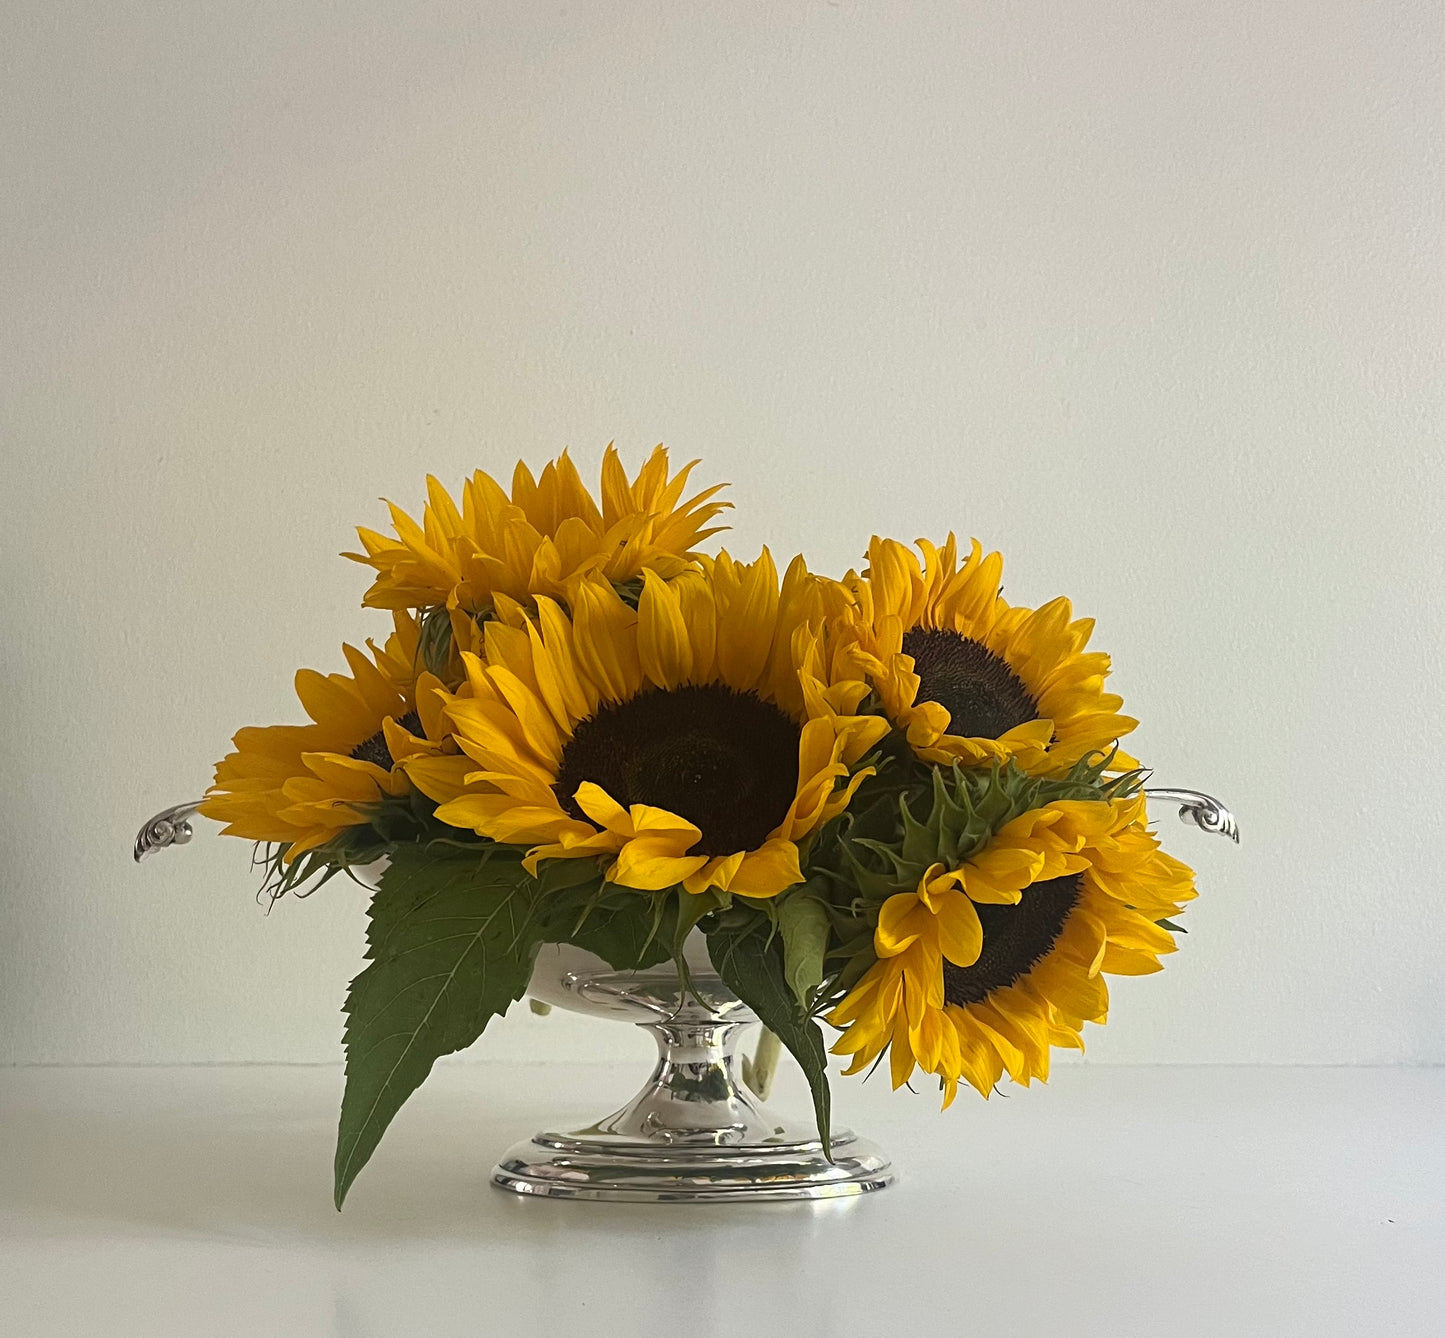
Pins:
x: 1119, y: 1201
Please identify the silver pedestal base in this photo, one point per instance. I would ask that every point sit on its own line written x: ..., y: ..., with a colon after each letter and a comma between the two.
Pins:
x: 695, y: 1133
x: 592, y: 1166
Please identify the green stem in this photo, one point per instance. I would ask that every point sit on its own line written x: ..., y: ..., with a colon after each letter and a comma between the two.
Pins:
x: 764, y: 1066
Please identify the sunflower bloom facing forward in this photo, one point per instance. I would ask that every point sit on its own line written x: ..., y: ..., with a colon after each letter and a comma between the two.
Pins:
x: 300, y: 785
x: 971, y: 679
x: 1060, y: 897
x: 687, y: 741
x: 503, y: 550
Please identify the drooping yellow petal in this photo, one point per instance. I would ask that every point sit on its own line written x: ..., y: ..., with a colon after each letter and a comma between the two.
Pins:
x: 960, y: 932
x: 771, y: 868
x: 639, y: 865
x: 902, y: 921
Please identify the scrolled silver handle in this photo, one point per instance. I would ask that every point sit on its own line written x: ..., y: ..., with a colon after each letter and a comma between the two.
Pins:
x: 1203, y: 810
x: 169, y: 827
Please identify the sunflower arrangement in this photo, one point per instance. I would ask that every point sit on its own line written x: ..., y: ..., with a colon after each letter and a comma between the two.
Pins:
x: 893, y: 802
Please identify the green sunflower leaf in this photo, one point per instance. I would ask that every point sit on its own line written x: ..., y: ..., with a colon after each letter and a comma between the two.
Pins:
x: 451, y: 942
x: 804, y: 923
x: 690, y: 908
x: 622, y: 930
x: 754, y: 969
x: 556, y: 876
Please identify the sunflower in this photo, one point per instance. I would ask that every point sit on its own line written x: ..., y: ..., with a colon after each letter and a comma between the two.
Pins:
x: 983, y: 969
x: 689, y: 741
x: 299, y: 785
x: 500, y: 550
x: 970, y: 678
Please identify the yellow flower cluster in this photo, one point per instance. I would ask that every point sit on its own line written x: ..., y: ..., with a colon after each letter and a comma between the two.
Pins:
x: 494, y: 557
x: 694, y: 722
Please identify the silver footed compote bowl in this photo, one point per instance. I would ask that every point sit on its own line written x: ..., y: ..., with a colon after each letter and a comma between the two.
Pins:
x: 695, y: 1132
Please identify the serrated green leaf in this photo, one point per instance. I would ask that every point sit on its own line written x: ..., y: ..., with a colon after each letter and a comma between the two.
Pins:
x: 803, y: 923
x: 621, y: 930
x: 452, y: 941
x: 407, y: 885
x: 753, y: 968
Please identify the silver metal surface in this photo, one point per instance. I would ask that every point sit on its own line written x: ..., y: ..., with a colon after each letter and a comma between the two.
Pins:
x: 1203, y: 810
x: 695, y: 1133
x: 170, y: 827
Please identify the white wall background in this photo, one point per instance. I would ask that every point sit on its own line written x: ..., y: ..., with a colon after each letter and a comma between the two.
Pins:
x: 1148, y: 293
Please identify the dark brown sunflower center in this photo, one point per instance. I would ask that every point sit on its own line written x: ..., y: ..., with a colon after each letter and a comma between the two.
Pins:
x: 374, y: 749
x: 982, y: 695
x: 1014, y: 938
x: 726, y: 761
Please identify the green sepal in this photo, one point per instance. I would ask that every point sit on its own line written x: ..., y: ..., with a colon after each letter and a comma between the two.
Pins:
x: 630, y: 591
x: 857, y: 958
x: 434, y: 641
x: 945, y: 816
